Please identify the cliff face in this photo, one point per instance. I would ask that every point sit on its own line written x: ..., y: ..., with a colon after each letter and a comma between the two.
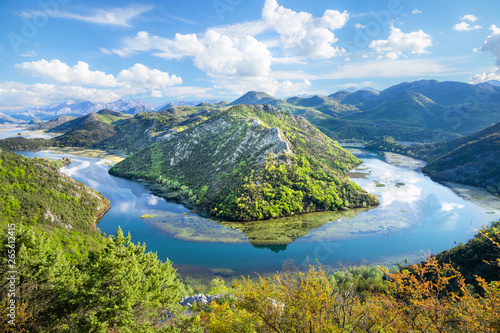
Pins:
x: 251, y: 163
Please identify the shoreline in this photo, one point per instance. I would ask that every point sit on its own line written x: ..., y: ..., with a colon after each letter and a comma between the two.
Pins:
x: 477, y: 195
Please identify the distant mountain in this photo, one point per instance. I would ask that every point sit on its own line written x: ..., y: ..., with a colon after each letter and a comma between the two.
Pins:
x: 79, y: 108
x: 182, y: 102
x: 252, y: 97
x: 354, y: 89
x: 424, y: 110
x: 448, y: 93
x: 53, y: 123
x: 493, y: 82
x: 5, y: 119
x: 406, y: 108
x: 362, y: 99
x: 106, y: 116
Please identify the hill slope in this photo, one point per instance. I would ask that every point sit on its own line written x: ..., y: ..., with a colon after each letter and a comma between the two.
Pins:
x: 33, y: 191
x: 473, y: 160
x: 58, y: 121
x: 5, y: 119
x: 251, y: 163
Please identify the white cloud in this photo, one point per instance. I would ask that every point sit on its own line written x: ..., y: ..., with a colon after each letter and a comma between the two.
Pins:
x: 57, y: 71
x: 359, y: 26
x: 303, y: 35
x: 140, y: 75
x: 399, y: 42
x: 30, y: 54
x: 491, y: 45
x: 239, y: 30
x: 237, y: 55
x: 271, y: 86
x: 80, y: 82
x: 464, y: 26
x: 416, y: 11
x: 469, y: 17
x: 485, y: 77
x: 80, y: 74
x: 20, y: 94
x: 112, y: 16
x: 215, y: 54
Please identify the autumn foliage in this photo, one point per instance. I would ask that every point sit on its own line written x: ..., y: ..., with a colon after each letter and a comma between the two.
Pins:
x: 429, y: 297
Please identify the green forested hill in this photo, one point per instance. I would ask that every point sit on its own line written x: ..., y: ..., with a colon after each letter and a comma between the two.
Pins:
x: 251, y: 163
x: 473, y: 160
x: 33, y: 191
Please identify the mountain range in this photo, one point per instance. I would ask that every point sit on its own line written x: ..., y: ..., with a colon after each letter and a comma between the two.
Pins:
x: 423, y: 111
x: 78, y: 108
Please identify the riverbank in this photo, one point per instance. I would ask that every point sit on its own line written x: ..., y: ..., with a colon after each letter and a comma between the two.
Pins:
x: 477, y: 196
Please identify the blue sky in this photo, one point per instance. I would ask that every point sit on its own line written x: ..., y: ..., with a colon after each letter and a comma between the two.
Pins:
x: 157, y: 51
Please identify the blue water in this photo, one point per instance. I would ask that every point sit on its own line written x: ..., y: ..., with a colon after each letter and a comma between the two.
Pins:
x: 412, y: 219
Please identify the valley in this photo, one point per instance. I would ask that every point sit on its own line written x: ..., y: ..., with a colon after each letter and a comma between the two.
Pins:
x: 227, y: 190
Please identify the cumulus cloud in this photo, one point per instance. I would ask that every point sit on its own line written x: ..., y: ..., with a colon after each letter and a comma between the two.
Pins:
x: 469, y: 17
x: 19, y: 94
x: 216, y: 54
x: 492, y: 46
x: 464, y: 26
x: 237, y: 54
x: 78, y: 81
x: 485, y: 77
x: 416, y: 11
x: 303, y: 35
x: 399, y: 42
x: 146, y: 77
x: 359, y: 26
x: 111, y: 16
x: 57, y: 71
x: 80, y: 74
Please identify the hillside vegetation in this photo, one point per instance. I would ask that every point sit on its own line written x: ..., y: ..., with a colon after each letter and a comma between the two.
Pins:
x: 251, y: 163
x: 472, y: 160
x: 33, y: 191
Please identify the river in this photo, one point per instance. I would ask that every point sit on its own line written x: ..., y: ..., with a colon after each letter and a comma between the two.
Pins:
x: 416, y: 216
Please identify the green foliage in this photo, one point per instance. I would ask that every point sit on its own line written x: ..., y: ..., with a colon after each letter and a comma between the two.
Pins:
x: 33, y: 191
x: 119, y: 287
x: 477, y: 257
